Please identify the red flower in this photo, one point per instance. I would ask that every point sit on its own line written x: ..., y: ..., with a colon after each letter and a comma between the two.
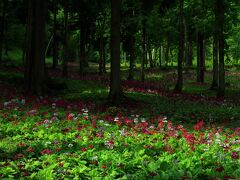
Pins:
x: 84, y: 149
x: 160, y: 124
x: 18, y: 156
x: 46, y: 151
x: 198, y: 125
x: 70, y: 116
x: 58, y: 149
x: 30, y: 149
x: 235, y: 155
x: 104, y: 167
x: 91, y: 146
x: 94, y: 125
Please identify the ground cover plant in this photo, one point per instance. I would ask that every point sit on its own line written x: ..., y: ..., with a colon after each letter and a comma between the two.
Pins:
x: 64, y: 137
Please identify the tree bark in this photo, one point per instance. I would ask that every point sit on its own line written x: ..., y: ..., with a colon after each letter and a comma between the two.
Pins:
x: 66, y: 44
x: 55, y: 39
x: 34, y: 67
x: 132, y: 57
x: 143, y: 51
x: 82, y: 50
x: 116, y: 92
x: 179, y: 84
x: 200, y: 64
x: 215, y: 61
x: 2, y: 26
x: 220, y: 26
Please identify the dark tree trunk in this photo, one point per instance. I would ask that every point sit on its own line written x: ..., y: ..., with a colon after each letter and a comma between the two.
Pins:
x: 190, y: 51
x: 179, y: 84
x: 104, y: 58
x: 200, y: 64
x: 116, y: 92
x: 132, y: 57
x: 101, y: 52
x: 160, y: 56
x: 215, y: 61
x: 66, y: 44
x: 143, y: 51
x: 55, y: 40
x: 2, y: 26
x: 220, y: 26
x: 82, y: 50
x: 167, y: 53
x: 34, y: 67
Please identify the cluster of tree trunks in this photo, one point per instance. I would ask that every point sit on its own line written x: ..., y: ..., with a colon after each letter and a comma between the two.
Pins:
x: 35, y: 56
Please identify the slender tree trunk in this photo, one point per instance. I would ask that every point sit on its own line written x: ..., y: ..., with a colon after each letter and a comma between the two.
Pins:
x: 190, y: 51
x: 2, y: 26
x: 179, y: 84
x: 25, y: 45
x: 200, y: 67
x: 220, y: 26
x: 160, y: 56
x: 104, y: 58
x: 82, y: 50
x: 132, y: 58
x: 215, y: 61
x: 167, y: 54
x: 55, y: 40
x: 101, y: 52
x: 34, y: 68
x: 143, y: 51
x: 66, y: 45
x: 116, y: 93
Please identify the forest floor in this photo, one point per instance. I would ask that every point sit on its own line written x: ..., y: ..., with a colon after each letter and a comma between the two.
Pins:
x: 58, y: 135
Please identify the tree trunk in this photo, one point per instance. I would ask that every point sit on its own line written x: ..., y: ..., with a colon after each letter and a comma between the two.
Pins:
x: 215, y: 61
x: 143, y: 51
x: 200, y: 64
x: 132, y: 57
x: 101, y: 52
x: 167, y: 54
x: 66, y: 45
x: 34, y: 67
x: 55, y: 40
x: 179, y: 84
x: 189, y: 50
x: 82, y: 50
x: 116, y: 93
x: 2, y: 26
x: 220, y: 26
x: 104, y: 58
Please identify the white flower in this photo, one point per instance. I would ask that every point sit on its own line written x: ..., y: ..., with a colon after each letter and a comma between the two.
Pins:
x: 70, y: 145
x: 23, y: 101
x: 116, y: 119
x: 94, y: 158
x: 101, y: 121
x: 47, y: 143
x: 143, y: 120
x: 6, y: 103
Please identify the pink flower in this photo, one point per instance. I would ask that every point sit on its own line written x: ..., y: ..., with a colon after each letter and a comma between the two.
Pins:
x: 199, y: 125
x: 235, y: 155
x: 70, y: 116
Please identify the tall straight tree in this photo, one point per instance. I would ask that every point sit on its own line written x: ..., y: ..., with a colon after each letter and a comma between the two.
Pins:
x: 215, y: 59
x: 2, y: 25
x: 116, y: 92
x: 179, y: 84
x: 66, y: 44
x: 55, y: 41
x: 35, y: 56
x: 219, y: 14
